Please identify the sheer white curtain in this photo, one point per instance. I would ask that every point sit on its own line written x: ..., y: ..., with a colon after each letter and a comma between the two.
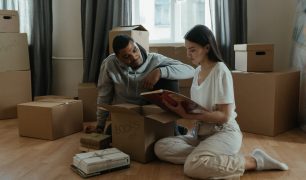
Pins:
x: 299, y: 56
x: 25, y: 11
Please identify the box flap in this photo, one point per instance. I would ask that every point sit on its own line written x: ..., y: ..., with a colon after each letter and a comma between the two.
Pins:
x: 52, y: 97
x: 41, y: 104
x: 129, y: 28
x: 163, y: 117
x: 264, y: 74
x: 253, y: 47
x: 122, y: 108
x: 151, y: 109
x: 61, y: 101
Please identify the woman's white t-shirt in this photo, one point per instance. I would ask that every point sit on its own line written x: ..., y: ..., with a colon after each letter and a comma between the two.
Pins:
x: 217, y: 88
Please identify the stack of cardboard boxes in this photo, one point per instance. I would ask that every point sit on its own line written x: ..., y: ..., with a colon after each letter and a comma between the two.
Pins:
x: 15, y: 76
x: 177, y: 53
x: 266, y: 101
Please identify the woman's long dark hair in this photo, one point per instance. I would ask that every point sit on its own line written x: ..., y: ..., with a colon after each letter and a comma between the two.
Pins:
x: 201, y: 35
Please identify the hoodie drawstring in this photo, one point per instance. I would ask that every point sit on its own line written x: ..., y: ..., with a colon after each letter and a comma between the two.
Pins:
x: 128, y: 82
x: 136, y: 83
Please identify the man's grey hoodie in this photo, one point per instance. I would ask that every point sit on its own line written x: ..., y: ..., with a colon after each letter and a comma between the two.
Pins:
x: 119, y: 83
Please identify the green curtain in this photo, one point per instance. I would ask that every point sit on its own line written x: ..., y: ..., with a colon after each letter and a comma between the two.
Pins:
x: 229, y: 22
x: 98, y: 18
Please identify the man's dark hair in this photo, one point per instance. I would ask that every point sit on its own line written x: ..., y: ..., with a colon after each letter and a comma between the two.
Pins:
x: 121, y: 42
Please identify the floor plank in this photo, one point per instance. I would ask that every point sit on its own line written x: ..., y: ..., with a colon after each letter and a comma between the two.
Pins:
x: 28, y: 158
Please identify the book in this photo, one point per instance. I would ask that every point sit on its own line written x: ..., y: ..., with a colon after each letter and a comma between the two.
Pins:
x: 173, y: 98
x: 95, y: 141
x: 99, y: 162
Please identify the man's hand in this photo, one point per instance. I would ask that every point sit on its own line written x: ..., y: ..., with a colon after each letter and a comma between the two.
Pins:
x: 151, y: 79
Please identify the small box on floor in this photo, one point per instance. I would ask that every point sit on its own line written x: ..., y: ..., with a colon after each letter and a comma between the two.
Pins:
x: 95, y: 141
x: 98, y: 162
x: 50, y: 118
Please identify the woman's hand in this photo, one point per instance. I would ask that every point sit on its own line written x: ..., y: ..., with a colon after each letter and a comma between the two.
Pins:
x: 221, y: 115
x: 174, y: 105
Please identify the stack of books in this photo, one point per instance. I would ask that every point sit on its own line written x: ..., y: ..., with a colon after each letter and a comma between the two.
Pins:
x: 99, y: 162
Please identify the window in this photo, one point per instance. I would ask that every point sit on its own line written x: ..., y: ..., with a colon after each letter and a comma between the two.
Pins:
x: 169, y: 20
x: 162, y: 15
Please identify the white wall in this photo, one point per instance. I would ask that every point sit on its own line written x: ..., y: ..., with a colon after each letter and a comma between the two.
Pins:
x: 271, y: 21
x: 67, y: 47
x: 268, y: 21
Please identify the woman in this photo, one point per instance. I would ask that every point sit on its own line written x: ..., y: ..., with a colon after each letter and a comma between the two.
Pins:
x: 212, y: 149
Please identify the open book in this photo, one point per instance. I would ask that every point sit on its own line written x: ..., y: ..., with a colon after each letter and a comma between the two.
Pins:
x: 157, y: 96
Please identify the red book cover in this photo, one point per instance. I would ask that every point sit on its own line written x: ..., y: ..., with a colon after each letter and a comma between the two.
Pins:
x: 157, y: 96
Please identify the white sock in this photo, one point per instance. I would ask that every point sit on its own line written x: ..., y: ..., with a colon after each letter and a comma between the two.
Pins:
x: 265, y: 162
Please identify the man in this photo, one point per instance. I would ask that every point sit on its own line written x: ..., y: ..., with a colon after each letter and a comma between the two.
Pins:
x: 131, y: 71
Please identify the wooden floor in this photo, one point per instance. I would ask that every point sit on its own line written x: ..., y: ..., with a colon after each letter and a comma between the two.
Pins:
x: 27, y: 158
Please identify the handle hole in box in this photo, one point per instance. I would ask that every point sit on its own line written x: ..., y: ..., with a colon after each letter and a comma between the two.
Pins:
x: 260, y: 53
x: 7, y: 17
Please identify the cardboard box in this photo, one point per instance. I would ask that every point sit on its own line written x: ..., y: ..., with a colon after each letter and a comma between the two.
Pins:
x: 50, y: 118
x: 88, y: 93
x: 9, y: 21
x: 137, y: 32
x: 178, y: 53
x: 267, y: 103
x: 185, y: 91
x: 14, y: 52
x: 254, y: 57
x: 39, y: 98
x: 174, y: 52
x: 15, y: 89
x: 135, y: 129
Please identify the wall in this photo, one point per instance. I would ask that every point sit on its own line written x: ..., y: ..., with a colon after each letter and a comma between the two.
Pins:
x: 67, y: 47
x: 268, y: 21
x: 272, y: 21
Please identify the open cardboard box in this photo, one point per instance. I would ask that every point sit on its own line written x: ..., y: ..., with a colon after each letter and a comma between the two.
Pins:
x: 139, y: 33
x: 136, y: 128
